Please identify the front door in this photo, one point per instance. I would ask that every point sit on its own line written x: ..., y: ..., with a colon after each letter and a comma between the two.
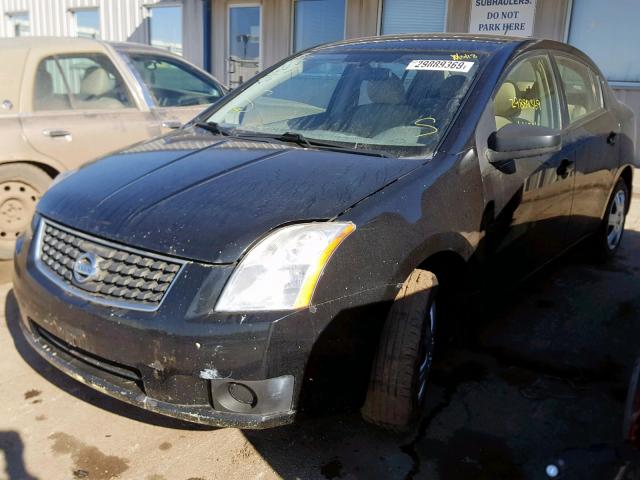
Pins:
x: 532, y: 199
x: 243, y: 43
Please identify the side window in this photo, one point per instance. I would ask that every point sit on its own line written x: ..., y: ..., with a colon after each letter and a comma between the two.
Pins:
x: 50, y: 92
x: 172, y: 83
x: 528, y: 95
x: 82, y: 82
x: 581, y: 86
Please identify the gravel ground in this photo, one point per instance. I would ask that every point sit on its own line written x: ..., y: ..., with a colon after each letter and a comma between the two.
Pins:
x: 540, y: 373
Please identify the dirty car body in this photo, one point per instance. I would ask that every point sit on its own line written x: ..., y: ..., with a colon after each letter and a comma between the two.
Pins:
x: 158, y: 275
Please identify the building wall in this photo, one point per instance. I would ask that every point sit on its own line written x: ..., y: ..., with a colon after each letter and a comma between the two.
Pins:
x: 120, y: 20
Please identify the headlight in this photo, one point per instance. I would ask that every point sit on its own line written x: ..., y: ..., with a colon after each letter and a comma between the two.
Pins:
x: 282, y: 270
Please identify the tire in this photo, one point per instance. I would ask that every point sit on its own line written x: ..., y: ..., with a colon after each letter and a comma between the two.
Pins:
x: 398, y: 378
x: 608, y: 237
x: 21, y: 186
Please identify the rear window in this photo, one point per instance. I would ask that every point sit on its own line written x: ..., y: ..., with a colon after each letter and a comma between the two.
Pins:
x: 79, y: 82
x: 581, y: 86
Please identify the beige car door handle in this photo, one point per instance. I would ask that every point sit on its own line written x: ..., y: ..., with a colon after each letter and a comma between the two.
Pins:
x: 56, y: 133
x: 172, y: 124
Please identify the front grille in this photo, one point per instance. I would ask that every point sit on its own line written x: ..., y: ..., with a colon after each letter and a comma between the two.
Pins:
x: 102, y: 271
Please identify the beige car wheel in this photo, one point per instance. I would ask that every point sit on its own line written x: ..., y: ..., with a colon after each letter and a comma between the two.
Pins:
x: 21, y: 186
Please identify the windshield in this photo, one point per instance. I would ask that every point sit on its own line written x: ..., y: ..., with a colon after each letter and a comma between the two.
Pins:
x: 173, y: 83
x: 398, y: 102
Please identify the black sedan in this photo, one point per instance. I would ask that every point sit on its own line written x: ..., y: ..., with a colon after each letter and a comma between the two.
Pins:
x: 306, y: 234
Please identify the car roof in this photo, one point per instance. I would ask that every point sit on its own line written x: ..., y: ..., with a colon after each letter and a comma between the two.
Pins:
x: 422, y: 40
x: 51, y: 42
x: 454, y: 42
x: 70, y: 44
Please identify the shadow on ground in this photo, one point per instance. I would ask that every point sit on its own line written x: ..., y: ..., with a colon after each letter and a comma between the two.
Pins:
x: 539, y: 371
x: 13, y: 448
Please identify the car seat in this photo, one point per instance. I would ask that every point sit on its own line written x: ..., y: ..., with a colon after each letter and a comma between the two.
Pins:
x: 503, y: 107
x: 44, y: 97
x: 387, y: 109
x: 95, y: 86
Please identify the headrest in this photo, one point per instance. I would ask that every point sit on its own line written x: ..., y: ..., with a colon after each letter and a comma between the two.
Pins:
x: 96, y: 83
x: 44, y: 83
x: 503, y: 103
x: 388, y: 91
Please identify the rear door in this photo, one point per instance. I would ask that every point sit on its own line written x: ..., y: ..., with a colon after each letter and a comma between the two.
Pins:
x: 178, y: 91
x: 82, y: 109
x: 593, y: 130
x: 531, y: 196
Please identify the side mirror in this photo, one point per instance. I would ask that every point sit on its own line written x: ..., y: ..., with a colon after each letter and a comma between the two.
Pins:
x: 518, y: 141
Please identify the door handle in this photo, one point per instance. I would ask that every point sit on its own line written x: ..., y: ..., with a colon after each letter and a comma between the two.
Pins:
x: 172, y: 124
x: 563, y: 168
x: 611, y: 139
x: 56, y: 133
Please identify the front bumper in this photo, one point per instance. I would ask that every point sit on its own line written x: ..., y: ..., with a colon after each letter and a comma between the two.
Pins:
x: 130, y: 391
x: 183, y: 359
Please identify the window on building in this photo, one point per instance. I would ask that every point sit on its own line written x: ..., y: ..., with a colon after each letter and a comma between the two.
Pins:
x: 581, y: 87
x: 20, y: 24
x: 608, y: 35
x: 87, y: 23
x: 528, y: 96
x: 174, y: 84
x: 82, y: 82
x: 413, y: 16
x: 318, y: 21
x: 165, y: 27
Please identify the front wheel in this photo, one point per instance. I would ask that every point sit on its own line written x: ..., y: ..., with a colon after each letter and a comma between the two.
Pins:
x: 398, y: 380
x: 21, y: 186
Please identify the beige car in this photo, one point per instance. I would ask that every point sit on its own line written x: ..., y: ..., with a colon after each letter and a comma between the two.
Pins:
x: 65, y: 101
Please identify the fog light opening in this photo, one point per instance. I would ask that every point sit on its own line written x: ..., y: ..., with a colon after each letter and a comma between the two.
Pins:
x: 242, y: 394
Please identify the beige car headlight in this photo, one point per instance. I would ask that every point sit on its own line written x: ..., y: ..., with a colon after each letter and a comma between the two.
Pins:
x: 282, y: 270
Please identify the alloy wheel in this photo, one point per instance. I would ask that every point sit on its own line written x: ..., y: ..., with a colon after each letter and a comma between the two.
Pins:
x: 615, y: 224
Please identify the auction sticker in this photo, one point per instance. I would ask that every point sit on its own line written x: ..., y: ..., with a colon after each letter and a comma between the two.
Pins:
x: 442, y: 65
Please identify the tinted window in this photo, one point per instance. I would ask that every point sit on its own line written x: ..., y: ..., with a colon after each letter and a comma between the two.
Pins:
x: 20, y: 23
x: 83, y: 82
x: 87, y: 23
x: 165, y: 27
x: 608, y: 33
x: 581, y: 87
x: 400, y: 101
x: 528, y: 95
x: 318, y: 21
x: 412, y: 16
x: 173, y: 83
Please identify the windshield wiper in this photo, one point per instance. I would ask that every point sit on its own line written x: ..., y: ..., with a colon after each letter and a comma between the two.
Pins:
x: 212, y: 127
x: 299, y: 139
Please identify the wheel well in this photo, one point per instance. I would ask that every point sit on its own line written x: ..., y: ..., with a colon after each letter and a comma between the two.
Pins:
x: 448, y: 266
x: 48, y: 169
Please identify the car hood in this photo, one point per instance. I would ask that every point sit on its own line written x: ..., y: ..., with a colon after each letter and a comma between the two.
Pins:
x: 209, y: 198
